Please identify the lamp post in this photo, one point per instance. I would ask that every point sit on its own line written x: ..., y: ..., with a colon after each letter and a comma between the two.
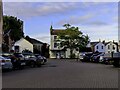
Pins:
x: 1, y: 25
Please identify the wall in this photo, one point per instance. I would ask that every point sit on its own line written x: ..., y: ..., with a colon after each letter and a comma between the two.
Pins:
x: 24, y: 44
x: 111, y: 48
x: 100, y: 44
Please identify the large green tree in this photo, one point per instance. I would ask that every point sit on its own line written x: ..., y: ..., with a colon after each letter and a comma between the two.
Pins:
x: 13, y: 26
x: 72, y: 38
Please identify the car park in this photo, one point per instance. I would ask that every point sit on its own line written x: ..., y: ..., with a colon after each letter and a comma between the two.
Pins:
x: 6, y: 63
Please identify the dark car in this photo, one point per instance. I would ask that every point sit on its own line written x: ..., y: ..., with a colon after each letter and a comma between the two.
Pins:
x: 42, y: 58
x: 86, y: 57
x: 95, y: 57
x: 107, y: 59
x: 32, y: 60
x: 18, y: 61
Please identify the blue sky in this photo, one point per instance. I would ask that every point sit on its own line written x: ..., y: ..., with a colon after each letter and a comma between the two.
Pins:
x: 97, y: 19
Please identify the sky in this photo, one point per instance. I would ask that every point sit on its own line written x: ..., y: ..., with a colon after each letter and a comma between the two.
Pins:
x: 98, y: 20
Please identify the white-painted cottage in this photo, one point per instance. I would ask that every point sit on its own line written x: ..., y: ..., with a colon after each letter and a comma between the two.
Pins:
x: 98, y: 46
x: 21, y: 45
x: 111, y: 47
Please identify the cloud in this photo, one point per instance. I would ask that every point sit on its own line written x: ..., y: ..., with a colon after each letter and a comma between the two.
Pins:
x: 61, y: 0
x: 107, y: 32
x: 97, y: 23
x: 36, y: 9
x: 44, y: 37
x: 76, y: 19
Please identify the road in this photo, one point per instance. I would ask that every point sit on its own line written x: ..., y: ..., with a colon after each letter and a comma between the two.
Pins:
x: 63, y: 74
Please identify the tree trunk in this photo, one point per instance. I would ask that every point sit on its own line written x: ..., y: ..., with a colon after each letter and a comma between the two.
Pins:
x: 71, y: 53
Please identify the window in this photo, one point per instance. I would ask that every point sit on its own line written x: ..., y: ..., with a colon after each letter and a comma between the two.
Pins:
x: 55, y: 45
x: 108, y: 46
x: 102, y: 47
x: 97, y: 47
x: 113, y: 47
x: 55, y: 37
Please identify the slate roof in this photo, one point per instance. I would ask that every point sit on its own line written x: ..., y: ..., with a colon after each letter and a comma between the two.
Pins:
x: 56, y: 31
x: 34, y: 41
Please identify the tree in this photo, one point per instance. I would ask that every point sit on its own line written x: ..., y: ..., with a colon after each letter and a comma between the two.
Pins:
x: 72, y: 38
x: 14, y: 26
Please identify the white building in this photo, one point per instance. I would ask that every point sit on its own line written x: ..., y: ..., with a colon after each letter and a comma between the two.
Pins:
x: 21, y: 45
x: 111, y: 47
x: 55, y: 50
x: 98, y: 46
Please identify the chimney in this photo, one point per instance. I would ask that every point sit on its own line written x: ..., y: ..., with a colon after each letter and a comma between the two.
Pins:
x: 99, y: 40
x: 103, y: 42
x: 113, y: 41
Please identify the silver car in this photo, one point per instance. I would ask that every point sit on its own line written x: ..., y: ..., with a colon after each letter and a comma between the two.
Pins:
x: 5, y: 63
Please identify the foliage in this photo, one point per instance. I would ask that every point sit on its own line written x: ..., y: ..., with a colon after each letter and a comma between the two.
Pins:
x: 73, y: 56
x: 72, y: 38
x: 14, y: 26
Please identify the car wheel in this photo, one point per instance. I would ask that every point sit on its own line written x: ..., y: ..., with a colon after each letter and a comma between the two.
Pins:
x: 32, y: 64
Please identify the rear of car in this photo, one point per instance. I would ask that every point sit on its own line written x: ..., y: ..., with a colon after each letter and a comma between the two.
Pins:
x: 6, y: 63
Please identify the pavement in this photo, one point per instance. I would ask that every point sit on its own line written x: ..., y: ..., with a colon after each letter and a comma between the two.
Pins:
x: 60, y: 73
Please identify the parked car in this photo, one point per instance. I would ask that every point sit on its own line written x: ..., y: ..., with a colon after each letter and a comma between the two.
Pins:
x: 95, y: 57
x: 44, y: 59
x: 87, y: 56
x: 107, y: 59
x: 6, y: 63
x: 18, y: 61
x: 32, y: 60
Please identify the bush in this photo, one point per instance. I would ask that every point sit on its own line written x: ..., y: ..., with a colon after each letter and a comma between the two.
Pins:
x: 72, y: 56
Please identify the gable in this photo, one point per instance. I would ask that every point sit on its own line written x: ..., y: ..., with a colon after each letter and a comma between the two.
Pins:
x: 22, y: 41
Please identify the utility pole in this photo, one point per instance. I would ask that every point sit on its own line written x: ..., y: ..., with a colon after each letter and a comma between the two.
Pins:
x: 1, y: 25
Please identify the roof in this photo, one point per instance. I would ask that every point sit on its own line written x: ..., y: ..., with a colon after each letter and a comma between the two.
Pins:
x: 56, y: 31
x: 94, y: 43
x: 112, y: 42
x: 33, y: 41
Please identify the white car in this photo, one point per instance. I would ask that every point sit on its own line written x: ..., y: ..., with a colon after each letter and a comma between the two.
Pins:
x: 6, y: 63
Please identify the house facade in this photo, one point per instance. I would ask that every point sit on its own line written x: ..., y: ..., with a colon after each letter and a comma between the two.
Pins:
x: 106, y: 47
x: 111, y: 47
x: 55, y: 50
x: 98, y: 46
x: 36, y: 44
x: 22, y: 45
